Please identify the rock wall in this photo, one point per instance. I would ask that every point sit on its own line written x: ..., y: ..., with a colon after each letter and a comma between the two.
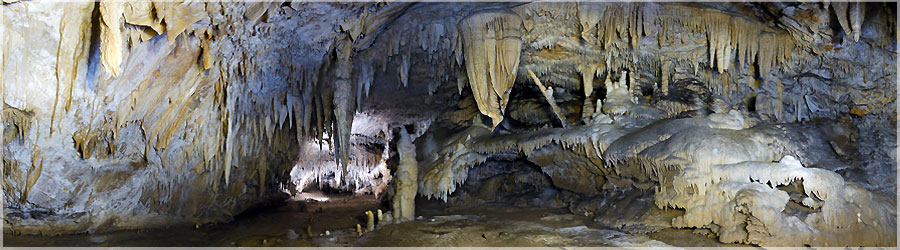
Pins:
x: 120, y: 122
x: 132, y: 115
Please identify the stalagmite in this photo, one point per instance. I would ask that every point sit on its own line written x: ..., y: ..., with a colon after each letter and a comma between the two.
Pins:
x: 634, y: 87
x: 619, y: 97
x: 380, y: 217
x: 492, y: 42
x: 548, y: 95
x: 587, y: 109
x: 370, y: 221
x: 406, y: 182
x: 664, y: 74
x: 388, y: 218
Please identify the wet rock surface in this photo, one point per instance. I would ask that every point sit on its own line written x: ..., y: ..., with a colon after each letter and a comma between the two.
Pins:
x: 438, y: 225
x: 772, y: 124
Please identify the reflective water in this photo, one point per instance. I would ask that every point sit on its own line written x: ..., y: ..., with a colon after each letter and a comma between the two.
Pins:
x: 333, y: 223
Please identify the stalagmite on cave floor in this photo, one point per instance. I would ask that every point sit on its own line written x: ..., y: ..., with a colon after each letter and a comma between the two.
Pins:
x: 473, y: 123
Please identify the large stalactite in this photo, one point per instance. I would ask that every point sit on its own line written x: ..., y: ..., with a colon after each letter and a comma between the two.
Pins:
x: 491, y: 43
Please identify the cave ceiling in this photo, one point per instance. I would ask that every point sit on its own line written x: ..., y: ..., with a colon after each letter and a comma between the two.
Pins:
x: 121, y: 115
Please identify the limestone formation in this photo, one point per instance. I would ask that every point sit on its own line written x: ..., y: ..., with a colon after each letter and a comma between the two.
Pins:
x: 406, y: 184
x: 491, y: 42
x: 769, y: 124
x: 548, y: 95
x: 370, y: 221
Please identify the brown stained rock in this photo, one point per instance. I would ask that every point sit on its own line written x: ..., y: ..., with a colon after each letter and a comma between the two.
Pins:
x: 568, y: 170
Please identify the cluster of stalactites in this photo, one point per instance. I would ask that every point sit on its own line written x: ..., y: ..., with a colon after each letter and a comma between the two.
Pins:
x: 161, y: 87
x: 729, y: 37
x: 850, y: 16
x: 609, y: 22
x: 491, y: 42
x: 331, y: 83
x: 436, y: 42
x: 250, y: 114
x: 718, y: 47
x: 367, y: 171
x: 448, y: 169
x: 123, y: 25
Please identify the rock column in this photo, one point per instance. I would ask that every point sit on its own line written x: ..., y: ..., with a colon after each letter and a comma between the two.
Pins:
x: 407, y: 175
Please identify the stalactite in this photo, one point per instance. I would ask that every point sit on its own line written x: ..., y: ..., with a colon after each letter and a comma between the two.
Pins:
x: 111, y: 44
x: 178, y: 16
x: 840, y: 10
x: 491, y: 44
x: 611, y: 28
x: 74, y: 28
x: 230, y: 132
x: 589, y: 15
x: 404, y: 68
x: 587, y: 77
x: 256, y: 10
x: 857, y: 15
x: 344, y: 101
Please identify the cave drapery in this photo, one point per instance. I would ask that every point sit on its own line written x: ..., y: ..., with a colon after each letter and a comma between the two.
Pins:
x: 126, y: 115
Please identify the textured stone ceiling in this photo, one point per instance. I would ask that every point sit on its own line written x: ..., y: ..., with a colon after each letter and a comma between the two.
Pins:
x: 122, y: 115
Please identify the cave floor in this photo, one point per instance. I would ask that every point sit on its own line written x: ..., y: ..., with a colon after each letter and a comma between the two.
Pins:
x: 436, y: 225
